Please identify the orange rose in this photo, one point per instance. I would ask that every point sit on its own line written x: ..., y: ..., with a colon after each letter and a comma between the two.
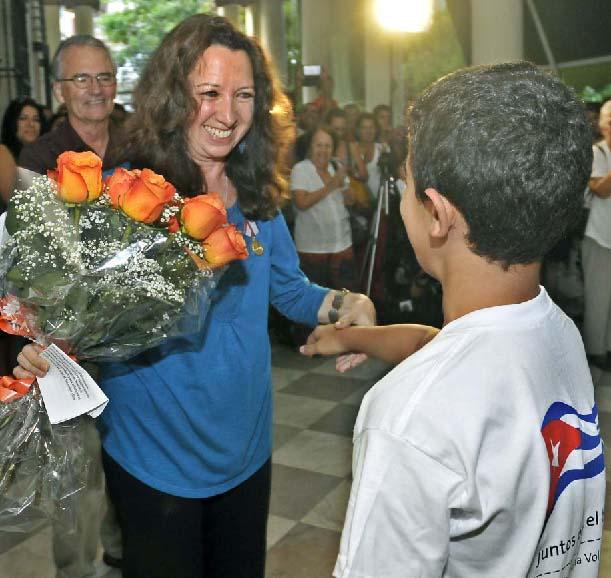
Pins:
x: 224, y: 245
x: 118, y: 183
x: 145, y: 199
x: 79, y: 176
x: 203, y: 214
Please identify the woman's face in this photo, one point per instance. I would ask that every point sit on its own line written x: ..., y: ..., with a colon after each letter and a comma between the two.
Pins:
x: 321, y: 149
x: 28, y: 125
x: 338, y: 126
x: 383, y: 118
x: 223, y: 85
x: 367, y: 130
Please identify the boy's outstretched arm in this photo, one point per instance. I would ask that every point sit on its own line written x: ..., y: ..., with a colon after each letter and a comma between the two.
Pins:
x: 390, y: 343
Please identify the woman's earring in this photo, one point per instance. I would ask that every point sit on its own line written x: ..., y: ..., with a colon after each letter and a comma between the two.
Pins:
x: 242, y: 147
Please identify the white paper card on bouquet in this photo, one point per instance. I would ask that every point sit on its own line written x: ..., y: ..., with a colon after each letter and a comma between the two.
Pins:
x: 68, y: 390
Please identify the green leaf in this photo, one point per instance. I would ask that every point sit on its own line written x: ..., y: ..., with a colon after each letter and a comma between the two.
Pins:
x: 47, y: 280
x: 12, y: 222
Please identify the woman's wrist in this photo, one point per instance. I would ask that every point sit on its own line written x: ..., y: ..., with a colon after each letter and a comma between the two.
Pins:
x: 336, y: 305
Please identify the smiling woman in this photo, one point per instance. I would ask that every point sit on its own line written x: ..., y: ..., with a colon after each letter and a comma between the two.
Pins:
x: 187, y: 434
x: 223, y: 85
x: 208, y: 79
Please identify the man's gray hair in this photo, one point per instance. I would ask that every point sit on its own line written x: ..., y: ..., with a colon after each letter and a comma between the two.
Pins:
x: 77, y: 40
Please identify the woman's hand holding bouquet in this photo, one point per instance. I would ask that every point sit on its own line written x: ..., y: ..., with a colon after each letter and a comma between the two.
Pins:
x: 104, y: 270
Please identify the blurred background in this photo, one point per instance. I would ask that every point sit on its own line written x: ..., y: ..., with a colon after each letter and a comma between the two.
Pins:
x: 351, y: 39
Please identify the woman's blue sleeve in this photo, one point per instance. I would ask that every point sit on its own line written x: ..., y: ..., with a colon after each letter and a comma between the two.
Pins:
x: 291, y: 292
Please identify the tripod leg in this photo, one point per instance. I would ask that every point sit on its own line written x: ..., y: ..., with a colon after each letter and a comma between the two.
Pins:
x: 382, y: 201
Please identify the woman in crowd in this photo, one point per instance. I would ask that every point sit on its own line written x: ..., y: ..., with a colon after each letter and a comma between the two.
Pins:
x: 353, y: 112
x: 369, y: 150
x: 382, y: 114
x: 187, y: 433
x: 322, y: 223
x: 23, y: 123
x: 346, y: 150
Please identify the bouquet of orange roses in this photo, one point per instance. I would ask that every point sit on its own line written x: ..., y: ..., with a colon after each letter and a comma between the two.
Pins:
x: 108, y: 269
x: 105, y: 270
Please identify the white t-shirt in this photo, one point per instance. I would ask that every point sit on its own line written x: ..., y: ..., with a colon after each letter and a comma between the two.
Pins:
x: 599, y: 221
x: 325, y: 226
x: 458, y: 449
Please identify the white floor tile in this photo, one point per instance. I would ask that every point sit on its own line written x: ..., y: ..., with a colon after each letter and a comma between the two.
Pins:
x: 277, y: 528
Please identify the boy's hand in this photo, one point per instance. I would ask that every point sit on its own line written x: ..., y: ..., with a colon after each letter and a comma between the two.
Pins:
x: 324, y: 340
x: 349, y: 361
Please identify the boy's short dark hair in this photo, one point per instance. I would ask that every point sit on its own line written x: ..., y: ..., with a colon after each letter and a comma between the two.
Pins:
x: 510, y: 146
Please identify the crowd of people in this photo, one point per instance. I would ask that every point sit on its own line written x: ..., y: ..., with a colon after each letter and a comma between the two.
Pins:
x: 186, y: 453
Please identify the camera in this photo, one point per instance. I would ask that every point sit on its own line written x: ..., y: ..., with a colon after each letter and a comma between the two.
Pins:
x: 311, y: 74
x: 385, y: 162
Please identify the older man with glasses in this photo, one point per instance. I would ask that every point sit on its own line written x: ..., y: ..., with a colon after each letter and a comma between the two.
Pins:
x: 84, y: 80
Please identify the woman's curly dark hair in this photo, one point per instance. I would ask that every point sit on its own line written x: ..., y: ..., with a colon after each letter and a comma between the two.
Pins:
x: 165, y: 106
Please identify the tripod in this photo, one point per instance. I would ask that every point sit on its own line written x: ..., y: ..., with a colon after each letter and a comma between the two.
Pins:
x: 387, y: 184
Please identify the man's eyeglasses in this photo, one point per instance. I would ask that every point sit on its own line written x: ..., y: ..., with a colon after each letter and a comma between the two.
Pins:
x: 83, y: 80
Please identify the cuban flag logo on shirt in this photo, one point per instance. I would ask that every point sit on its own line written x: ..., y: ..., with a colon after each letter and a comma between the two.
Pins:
x: 574, y: 448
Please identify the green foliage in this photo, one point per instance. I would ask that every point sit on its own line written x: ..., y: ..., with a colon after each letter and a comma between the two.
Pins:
x: 591, y: 80
x: 138, y: 29
x: 431, y: 54
x: 293, y: 37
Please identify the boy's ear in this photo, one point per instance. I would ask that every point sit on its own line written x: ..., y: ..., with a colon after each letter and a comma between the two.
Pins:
x: 443, y: 213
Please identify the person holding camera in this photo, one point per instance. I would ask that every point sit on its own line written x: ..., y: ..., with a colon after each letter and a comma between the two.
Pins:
x: 376, y: 158
x: 370, y: 150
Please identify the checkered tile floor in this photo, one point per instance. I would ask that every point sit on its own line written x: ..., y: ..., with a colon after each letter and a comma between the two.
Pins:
x: 315, y: 409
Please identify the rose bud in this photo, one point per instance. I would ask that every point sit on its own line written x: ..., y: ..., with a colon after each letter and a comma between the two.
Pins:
x: 118, y: 183
x: 203, y: 214
x: 173, y: 224
x: 79, y: 176
x: 224, y: 245
x: 145, y: 199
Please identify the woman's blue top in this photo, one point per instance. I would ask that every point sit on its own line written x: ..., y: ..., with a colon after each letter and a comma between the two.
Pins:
x: 193, y: 417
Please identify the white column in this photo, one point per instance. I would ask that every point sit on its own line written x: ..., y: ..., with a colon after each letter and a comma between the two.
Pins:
x: 378, y: 65
x: 316, y: 29
x: 83, y: 20
x: 52, y: 28
x: 232, y: 13
x: 252, y: 20
x: 341, y: 41
x: 53, y: 35
x: 272, y: 33
x: 496, y: 31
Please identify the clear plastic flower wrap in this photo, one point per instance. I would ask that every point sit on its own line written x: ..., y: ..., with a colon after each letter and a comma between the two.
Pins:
x: 42, y: 469
x: 104, y: 271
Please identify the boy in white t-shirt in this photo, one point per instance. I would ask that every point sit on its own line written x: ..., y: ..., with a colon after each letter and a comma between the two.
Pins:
x: 479, y: 455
